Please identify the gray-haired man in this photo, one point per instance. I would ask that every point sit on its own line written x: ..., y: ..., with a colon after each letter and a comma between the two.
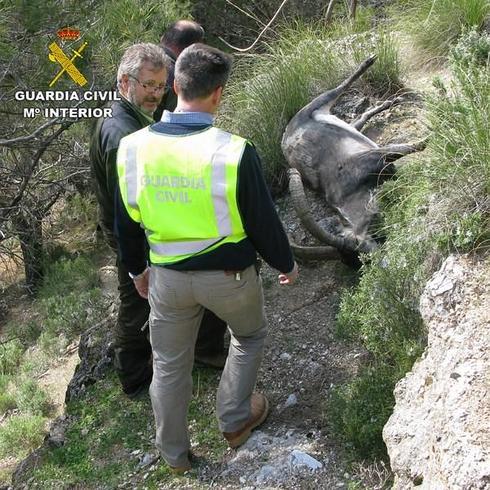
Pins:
x: 141, y: 81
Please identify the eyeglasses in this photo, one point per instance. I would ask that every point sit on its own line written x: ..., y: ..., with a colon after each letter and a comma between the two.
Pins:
x: 150, y: 85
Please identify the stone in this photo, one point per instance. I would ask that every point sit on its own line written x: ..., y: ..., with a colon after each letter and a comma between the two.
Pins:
x: 292, y: 400
x: 299, y: 458
x: 266, y: 473
x: 147, y: 459
x: 438, y: 437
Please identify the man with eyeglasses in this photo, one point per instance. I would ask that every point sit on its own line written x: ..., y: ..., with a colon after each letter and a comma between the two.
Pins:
x: 141, y: 79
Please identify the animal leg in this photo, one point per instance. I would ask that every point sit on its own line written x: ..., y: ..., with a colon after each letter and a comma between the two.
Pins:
x: 364, y: 118
x: 390, y: 153
x: 328, y: 99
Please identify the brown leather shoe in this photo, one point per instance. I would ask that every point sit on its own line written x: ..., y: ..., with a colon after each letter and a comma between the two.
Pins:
x: 180, y: 470
x: 260, y: 408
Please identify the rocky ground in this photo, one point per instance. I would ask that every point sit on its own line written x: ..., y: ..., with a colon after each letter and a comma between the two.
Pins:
x: 303, y: 361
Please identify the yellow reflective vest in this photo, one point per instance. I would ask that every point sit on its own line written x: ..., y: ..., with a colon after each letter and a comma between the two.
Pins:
x: 182, y: 189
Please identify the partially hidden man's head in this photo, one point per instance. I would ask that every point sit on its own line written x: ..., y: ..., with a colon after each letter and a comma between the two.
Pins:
x: 142, y: 75
x: 182, y: 34
x: 201, y: 71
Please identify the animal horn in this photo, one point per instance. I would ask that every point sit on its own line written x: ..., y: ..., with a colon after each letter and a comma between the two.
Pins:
x: 314, y: 253
x: 300, y: 204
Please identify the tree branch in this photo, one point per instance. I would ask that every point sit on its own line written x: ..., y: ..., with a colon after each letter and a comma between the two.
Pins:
x: 22, y: 139
x: 244, y: 50
x: 328, y: 15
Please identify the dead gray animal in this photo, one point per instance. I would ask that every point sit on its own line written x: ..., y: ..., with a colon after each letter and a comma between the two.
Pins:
x: 335, y: 158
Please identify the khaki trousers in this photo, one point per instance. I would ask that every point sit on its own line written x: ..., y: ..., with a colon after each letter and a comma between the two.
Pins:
x: 177, y: 301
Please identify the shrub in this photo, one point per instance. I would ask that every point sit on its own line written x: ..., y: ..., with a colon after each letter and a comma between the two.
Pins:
x: 437, y: 25
x: 343, y: 25
x: 361, y: 408
x: 80, y: 208
x: 69, y: 315
x: 20, y: 434
x: 472, y: 48
x: 10, y: 356
x: 31, y: 399
x: 384, y: 77
x: 267, y: 90
x: 67, y: 275
x: 437, y: 205
x: 7, y: 400
x: 37, y: 360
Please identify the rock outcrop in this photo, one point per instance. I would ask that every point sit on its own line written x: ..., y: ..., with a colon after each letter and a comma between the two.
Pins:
x: 438, y: 437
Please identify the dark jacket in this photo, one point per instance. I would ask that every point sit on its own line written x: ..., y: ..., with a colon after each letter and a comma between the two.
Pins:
x: 169, y: 99
x: 262, y: 225
x: 126, y: 119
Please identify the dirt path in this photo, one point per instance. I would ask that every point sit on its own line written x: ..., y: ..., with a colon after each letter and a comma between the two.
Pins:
x: 303, y: 361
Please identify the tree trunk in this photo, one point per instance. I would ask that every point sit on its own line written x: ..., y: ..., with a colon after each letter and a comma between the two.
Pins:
x: 353, y: 7
x: 328, y: 15
x: 30, y: 234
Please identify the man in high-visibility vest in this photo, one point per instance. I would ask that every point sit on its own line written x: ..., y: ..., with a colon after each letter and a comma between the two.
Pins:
x: 141, y: 81
x: 199, y: 196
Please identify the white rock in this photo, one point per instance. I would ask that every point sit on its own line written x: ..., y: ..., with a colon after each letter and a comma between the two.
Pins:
x: 299, y: 458
x: 242, y: 455
x: 285, y: 356
x: 267, y: 472
x: 292, y: 400
x: 147, y: 459
x: 438, y: 433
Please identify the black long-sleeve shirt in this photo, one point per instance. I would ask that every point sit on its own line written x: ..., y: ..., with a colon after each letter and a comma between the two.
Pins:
x: 265, y: 233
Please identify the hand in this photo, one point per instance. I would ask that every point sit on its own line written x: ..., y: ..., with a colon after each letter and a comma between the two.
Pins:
x: 290, y: 277
x: 141, y: 283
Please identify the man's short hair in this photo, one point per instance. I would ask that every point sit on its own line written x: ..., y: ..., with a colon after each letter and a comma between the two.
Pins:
x: 135, y: 56
x: 182, y: 33
x: 200, y: 69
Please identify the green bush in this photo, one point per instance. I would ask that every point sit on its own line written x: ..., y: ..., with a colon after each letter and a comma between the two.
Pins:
x: 31, y: 399
x: 437, y: 205
x: 437, y: 25
x: 67, y: 275
x: 52, y: 345
x: 20, y: 434
x: 10, y: 356
x: 472, y: 48
x: 37, y: 361
x: 361, y: 408
x: 267, y: 90
x: 27, y: 330
x: 343, y: 25
x: 7, y: 400
x: 384, y: 77
x: 80, y: 209
x: 69, y: 315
